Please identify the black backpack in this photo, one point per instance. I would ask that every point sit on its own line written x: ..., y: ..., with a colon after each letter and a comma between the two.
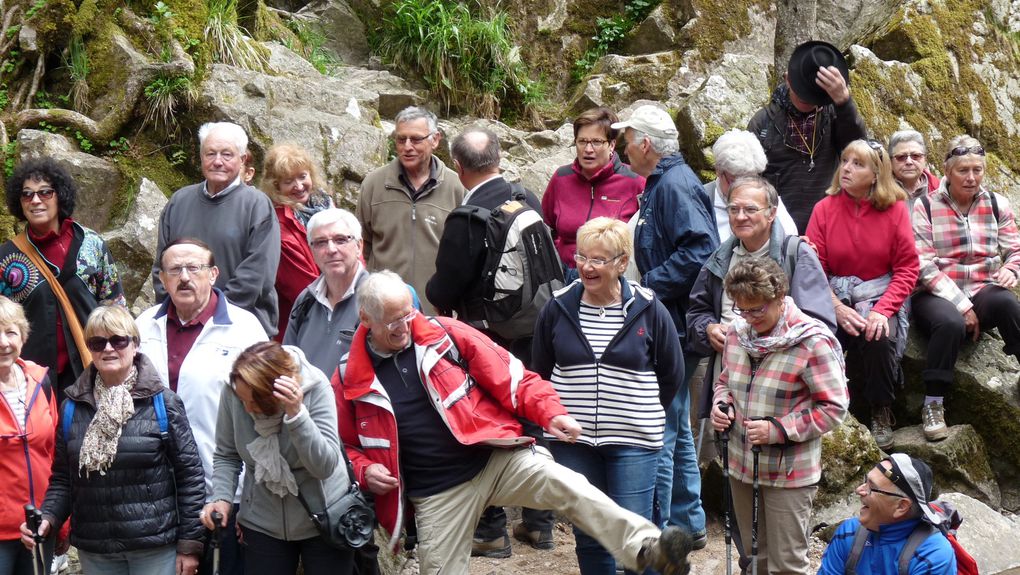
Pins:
x: 522, y: 268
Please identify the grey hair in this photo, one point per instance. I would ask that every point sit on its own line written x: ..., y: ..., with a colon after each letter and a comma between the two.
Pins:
x: 377, y: 290
x: 470, y: 157
x: 662, y: 146
x: 739, y: 153
x: 771, y: 195
x: 232, y: 131
x: 964, y: 140
x: 904, y: 136
x: 331, y: 216
x: 412, y: 113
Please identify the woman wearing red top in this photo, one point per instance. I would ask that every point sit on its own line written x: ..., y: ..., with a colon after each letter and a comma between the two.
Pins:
x: 866, y: 247
x: 596, y: 184
x: 28, y: 420
x: 291, y: 179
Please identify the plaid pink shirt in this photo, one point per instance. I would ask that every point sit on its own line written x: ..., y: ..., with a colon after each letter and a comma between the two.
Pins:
x: 802, y: 389
x: 959, y: 253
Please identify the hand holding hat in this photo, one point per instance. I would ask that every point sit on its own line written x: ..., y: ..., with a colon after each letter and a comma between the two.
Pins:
x: 818, y: 74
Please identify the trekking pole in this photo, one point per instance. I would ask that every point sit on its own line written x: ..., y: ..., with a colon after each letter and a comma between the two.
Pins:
x: 723, y: 438
x: 33, y: 519
x: 217, y: 518
x: 755, y: 450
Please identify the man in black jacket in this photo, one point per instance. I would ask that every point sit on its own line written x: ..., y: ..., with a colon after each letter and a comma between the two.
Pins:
x: 457, y: 280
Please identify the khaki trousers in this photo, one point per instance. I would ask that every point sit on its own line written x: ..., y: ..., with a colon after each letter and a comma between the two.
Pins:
x: 530, y: 478
x: 783, y: 516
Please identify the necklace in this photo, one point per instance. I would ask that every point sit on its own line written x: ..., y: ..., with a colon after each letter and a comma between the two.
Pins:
x: 810, y: 148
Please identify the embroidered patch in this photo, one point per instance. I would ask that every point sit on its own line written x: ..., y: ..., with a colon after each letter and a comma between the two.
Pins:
x: 18, y: 277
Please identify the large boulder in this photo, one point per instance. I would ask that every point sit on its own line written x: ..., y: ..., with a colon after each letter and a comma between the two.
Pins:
x: 958, y: 462
x: 99, y: 180
x: 986, y: 534
x: 133, y: 244
x: 848, y: 453
x: 332, y: 119
x: 343, y: 31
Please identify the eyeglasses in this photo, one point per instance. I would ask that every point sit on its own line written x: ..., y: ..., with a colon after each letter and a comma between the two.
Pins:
x: 753, y: 312
x: 877, y: 146
x: 595, y: 262
x: 964, y: 150
x: 339, y: 240
x: 583, y: 143
x: 869, y: 489
x: 916, y: 156
x: 44, y: 194
x: 401, y: 321
x: 415, y: 140
x: 750, y: 211
x: 118, y: 342
x: 192, y: 269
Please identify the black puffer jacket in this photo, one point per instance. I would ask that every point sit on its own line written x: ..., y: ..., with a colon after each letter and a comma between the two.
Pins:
x: 152, y: 493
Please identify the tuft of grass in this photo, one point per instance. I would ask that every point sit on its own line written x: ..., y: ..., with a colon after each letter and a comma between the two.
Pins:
x: 313, y: 47
x: 163, y: 95
x: 468, y: 62
x: 228, y: 41
x: 76, y: 61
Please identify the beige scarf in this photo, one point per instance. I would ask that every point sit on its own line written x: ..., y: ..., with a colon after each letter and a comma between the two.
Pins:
x: 114, y: 406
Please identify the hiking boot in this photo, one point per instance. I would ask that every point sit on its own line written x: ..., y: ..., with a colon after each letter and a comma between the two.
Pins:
x: 539, y: 539
x: 498, y: 548
x: 666, y: 553
x: 700, y: 541
x: 881, y: 426
x: 934, y: 417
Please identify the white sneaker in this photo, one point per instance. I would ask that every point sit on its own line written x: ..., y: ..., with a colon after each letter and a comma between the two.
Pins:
x: 934, y: 417
x: 59, y: 564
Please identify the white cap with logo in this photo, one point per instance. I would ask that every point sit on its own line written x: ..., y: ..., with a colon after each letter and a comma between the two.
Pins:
x: 651, y: 120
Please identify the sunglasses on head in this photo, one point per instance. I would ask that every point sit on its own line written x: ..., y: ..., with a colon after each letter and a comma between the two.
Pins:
x: 877, y: 146
x: 964, y: 150
x: 117, y: 342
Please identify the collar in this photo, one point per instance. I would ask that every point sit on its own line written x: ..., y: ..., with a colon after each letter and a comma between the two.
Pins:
x: 470, y: 192
x: 64, y: 230
x: 220, y: 317
x: 603, y: 173
x: 203, y: 316
x: 233, y: 186
x: 319, y: 287
x: 433, y: 174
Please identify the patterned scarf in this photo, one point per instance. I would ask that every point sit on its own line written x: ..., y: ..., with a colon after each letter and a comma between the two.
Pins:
x: 317, y: 201
x: 114, y: 406
x: 783, y: 336
x: 271, y: 468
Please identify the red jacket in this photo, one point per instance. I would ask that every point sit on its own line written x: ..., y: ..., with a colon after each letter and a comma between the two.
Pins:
x: 297, y: 267
x: 479, y: 411
x: 570, y: 200
x: 26, y: 472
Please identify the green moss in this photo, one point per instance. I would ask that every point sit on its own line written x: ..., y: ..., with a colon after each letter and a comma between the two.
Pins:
x: 718, y: 23
x: 145, y: 160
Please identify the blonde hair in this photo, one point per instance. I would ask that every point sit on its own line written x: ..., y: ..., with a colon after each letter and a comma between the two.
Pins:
x: 113, y: 320
x: 610, y: 232
x: 885, y: 192
x: 961, y: 141
x: 11, y: 313
x: 283, y: 161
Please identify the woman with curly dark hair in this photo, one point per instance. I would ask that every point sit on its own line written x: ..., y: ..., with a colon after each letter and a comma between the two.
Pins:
x: 43, y: 195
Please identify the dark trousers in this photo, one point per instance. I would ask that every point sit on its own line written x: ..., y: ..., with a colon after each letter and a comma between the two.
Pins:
x: 876, y: 361
x: 937, y: 318
x: 492, y: 523
x: 265, y: 555
x: 231, y: 551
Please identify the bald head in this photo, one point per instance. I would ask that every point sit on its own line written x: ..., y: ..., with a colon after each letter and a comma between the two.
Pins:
x: 477, y: 151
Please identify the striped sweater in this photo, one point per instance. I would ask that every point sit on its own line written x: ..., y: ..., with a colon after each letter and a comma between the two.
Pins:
x: 618, y: 396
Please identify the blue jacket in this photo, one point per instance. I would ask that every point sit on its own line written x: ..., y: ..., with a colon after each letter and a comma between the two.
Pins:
x: 646, y: 345
x: 881, y: 553
x: 675, y: 235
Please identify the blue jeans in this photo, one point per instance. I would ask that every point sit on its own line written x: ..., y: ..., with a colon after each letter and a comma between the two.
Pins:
x: 619, y: 471
x: 678, y: 481
x: 155, y: 561
x: 16, y: 560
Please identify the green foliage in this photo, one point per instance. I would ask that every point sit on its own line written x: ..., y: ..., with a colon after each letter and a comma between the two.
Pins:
x: 48, y: 127
x: 9, y: 156
x: 228, y: 40
x: 161, y: 14
x: 5, y: 97
x: 119, y: 146
x: 35, y: 8
x: 162, y: 97
x: 83, y: 142
x: 13, y: 30
x: 11, y: 63
x: 467, y: 62
x: 42, y: 100
x: 76, y: 61
x: 313, y: 47
x: 609, y: 34
x: 178, y: 157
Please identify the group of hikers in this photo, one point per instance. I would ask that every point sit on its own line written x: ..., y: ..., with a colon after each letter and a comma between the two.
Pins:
x: 303, y: 357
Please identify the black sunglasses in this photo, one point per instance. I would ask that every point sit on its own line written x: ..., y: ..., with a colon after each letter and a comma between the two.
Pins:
x: 43, y: 194
x: 98, y: 344
x: 964, y: 150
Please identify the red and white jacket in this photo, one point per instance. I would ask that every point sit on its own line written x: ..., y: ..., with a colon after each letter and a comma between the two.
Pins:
x: 478, y: 410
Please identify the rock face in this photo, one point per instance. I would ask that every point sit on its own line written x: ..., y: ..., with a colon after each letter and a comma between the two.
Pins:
x: 133, y: 244
x: 99, y: 181
x: 959, y: 462
x: 988, y: 536
x: 344, y: 32
x: 848, y: 452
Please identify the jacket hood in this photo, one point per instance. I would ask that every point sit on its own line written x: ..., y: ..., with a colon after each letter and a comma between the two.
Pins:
x: 147, y: 384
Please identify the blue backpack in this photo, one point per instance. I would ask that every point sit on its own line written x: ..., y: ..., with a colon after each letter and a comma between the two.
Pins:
x: 157, y: 403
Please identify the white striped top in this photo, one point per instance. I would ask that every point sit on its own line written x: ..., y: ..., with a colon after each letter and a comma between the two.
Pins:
x: 600, y: 325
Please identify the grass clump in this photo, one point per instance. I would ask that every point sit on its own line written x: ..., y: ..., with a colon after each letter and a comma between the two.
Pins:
x: 312, y: 47
x: 76, y: 62
x: 609, y: 34
x: 467, y: 62
x: 228, y: 41
x: 162, y: 97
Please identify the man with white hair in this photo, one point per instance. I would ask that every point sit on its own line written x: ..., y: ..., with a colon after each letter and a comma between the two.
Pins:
x: 235, y: 220
x: 675, y: 235
x: 403, y: 205
x: 738, y: 154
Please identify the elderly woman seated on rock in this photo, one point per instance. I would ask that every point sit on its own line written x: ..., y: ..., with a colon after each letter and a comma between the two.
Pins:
x: 910, y: 164
x: 969, y: 248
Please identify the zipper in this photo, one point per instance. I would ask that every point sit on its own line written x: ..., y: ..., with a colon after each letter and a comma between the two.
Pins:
x: 591, y: 205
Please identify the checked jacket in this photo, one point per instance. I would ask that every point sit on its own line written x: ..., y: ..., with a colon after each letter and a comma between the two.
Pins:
x: 960, y: 252
x: 801, y: 389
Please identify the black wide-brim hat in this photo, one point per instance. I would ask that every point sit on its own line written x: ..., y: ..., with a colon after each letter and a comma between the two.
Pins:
x: 804, y: 64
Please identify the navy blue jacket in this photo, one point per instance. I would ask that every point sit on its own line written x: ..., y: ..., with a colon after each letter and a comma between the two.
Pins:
x: 675, y: 235
x: 646, y: 342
